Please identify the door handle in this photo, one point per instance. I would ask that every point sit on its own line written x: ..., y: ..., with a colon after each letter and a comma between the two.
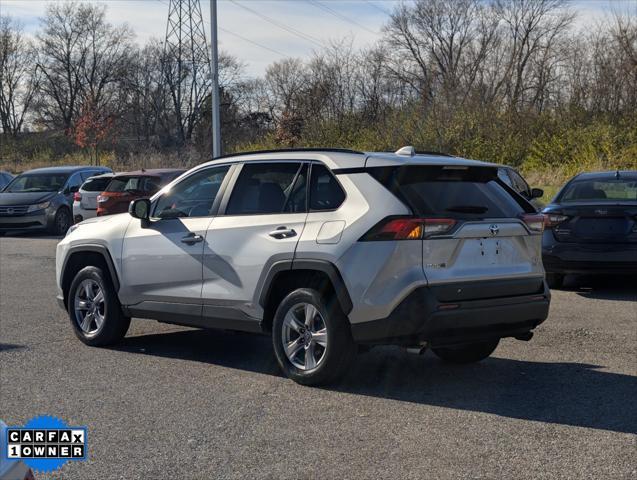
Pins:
x: 283, y: 232
x: 191, y: 239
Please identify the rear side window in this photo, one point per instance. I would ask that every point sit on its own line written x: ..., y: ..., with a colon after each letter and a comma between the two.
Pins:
x: 325, y: 191
x: 470, y: 193
x: 134, y: 184
x: 266, y: 188
x: 96, y: 184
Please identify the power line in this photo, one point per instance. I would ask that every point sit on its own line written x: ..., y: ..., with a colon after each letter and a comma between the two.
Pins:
x: 345, y: 18
x: 252, y: 42
x: 379, y: 8
x: 282, y: 26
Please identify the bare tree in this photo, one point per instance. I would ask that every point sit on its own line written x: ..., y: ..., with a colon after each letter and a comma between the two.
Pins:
x: 81, y: 57
x: 18, y: 80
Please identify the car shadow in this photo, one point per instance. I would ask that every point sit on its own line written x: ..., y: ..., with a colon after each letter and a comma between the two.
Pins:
x: 574, y: 394
x: 10, y: 346
x: 603, y: 287
x: 32, y: 234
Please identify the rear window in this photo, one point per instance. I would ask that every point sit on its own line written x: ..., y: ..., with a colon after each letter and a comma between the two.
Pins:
x: 96, y: 184
x: 134, y: 184
x: 611, y: 190
x: 471, y: 193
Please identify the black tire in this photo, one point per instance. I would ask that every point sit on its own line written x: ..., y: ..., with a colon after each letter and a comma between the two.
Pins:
x: 555, y: 280
x: 340, y: 349
x: 115, y: 324
x: 62, y: 222
x: 473, y: 352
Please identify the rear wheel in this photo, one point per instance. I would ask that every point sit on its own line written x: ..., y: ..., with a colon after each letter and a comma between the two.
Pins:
x: 555, y: 280
x: 94, y: 309
x: 473, y: 352
x: 311, y: 338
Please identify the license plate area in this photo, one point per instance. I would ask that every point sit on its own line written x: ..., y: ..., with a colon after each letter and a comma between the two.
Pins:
x: 489, y: 251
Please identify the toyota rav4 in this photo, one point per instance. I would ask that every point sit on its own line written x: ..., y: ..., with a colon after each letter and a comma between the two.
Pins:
x: 324, y: 250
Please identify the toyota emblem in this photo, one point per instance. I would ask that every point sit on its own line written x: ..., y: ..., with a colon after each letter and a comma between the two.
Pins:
x: 10, y: 211
x: 494, y: 229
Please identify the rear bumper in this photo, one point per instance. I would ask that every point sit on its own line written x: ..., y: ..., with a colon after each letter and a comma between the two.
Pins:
x: 590, y: 258
x: 423, y: 316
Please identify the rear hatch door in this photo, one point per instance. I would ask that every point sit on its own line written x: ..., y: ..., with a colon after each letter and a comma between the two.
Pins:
x: 488, y: 242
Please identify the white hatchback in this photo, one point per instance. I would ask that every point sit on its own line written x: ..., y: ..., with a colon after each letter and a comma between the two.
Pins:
x: 85, y: 199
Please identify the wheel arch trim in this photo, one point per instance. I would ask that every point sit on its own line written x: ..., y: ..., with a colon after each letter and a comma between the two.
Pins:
x: 323, y: 266
x: 96, y: 248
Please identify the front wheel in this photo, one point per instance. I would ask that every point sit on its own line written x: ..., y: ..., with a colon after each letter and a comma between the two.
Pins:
x: 94, y: 309
x: 61, y: 222
x: 473, y: 352
x: 311, y: 338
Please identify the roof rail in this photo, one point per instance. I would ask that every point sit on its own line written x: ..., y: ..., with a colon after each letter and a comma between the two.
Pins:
x: 430, y: 152
x: 409, y: 151
x: 286, y: 150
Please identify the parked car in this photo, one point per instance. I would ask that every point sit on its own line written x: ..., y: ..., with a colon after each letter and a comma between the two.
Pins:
x: 5, y: 179
x: 322, y: 250
x: 42, y: 199
x: 11, y: 469
x: 85, y: 199
x: 592, y: 227
x: 513, y: 179
x: 125, y: 187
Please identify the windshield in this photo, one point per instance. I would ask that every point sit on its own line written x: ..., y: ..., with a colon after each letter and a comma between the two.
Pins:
x: 607, y: 190
x: 38, y: 182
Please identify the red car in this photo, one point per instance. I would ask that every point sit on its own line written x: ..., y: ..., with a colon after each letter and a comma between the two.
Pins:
x: 125, y: 187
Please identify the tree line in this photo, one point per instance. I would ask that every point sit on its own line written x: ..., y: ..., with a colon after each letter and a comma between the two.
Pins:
x: 513, y: 81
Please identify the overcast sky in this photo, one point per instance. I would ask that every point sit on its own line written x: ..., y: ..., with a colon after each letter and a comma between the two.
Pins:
x: 257, y: 42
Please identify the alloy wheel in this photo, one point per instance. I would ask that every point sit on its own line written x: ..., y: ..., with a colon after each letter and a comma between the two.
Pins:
x: 304, y: 336
x: 89, y: 305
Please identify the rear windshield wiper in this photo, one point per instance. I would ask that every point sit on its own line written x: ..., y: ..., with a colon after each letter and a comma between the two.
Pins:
x: 467, y: 209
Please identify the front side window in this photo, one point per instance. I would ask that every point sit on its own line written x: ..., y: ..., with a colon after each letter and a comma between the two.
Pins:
x: 519, y: 183
x: 74, y: 182
x: 267, y: 188
x: 38, y: 182
x: 194, y: 196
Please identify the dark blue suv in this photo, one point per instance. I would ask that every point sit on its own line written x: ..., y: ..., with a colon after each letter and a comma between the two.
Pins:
x: 42, y: 199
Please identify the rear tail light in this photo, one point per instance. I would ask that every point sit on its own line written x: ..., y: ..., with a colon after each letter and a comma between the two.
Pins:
x: 408, y: 228
x: 534, y: 221
x: 77, y: 196
x: 553, y: 219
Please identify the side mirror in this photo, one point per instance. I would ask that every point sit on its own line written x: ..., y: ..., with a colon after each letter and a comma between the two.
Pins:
x: 71, y: 189
x: 140, y: 208
x: 537, y: 193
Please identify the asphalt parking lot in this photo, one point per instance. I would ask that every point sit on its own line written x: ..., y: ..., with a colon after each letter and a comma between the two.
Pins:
x: 177, y: 403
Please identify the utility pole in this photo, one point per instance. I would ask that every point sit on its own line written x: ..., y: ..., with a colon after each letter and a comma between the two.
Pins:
x: 216, y: 125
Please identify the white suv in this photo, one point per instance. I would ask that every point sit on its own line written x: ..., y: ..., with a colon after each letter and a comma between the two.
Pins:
x: 321, y: 249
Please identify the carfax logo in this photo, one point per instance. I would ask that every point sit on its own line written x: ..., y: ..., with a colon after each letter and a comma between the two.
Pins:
x: 46, y: 443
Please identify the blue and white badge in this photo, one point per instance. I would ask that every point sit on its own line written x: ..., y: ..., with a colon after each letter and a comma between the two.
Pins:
x: 45, y: 443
